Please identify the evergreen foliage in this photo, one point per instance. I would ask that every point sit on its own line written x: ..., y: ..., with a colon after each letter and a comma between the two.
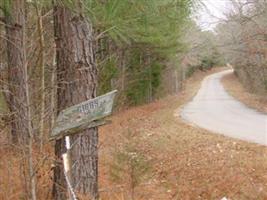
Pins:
x: 107, y: 73
x: 149, y: 31
x: 130, y: 164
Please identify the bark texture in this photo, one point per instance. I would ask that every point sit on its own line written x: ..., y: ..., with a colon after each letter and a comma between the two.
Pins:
x: 17, y: 71
x: 18, y: 97
x: 41, y: 64
x: 77, y: 82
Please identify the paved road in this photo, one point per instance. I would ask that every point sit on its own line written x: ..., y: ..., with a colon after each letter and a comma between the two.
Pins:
x: 215, y: 110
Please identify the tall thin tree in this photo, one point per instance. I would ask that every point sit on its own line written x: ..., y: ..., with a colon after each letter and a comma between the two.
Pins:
x: 18, y: 87
x: 17, y: 68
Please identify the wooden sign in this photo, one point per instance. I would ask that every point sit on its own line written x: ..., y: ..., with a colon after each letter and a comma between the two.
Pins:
x: 85, y: 115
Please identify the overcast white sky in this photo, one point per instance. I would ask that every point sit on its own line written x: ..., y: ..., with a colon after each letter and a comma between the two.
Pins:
x: 208, y: 17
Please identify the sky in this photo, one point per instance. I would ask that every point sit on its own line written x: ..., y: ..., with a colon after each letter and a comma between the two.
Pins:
x: 214, y: 10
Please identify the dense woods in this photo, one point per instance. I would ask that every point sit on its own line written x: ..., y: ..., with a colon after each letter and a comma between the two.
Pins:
x: 55, y: 54
x: 133, y: 53
x: 242, y: 39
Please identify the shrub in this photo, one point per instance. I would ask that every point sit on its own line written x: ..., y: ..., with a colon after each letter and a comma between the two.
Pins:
x: 130, y: 166
x: 190, y: 71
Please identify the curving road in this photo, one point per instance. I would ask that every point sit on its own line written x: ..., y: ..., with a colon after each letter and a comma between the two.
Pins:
x: 215, y: 110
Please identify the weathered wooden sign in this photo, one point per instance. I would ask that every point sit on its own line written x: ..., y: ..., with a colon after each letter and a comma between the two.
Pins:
x: 85, y: 115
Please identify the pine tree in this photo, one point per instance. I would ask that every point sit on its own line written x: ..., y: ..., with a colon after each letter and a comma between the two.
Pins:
x: 77, y: 82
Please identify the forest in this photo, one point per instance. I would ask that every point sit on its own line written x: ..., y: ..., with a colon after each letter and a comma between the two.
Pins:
x: 55, y: 54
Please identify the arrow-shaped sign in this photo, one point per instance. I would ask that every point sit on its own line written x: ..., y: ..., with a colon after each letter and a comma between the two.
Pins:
x: 85, y: 115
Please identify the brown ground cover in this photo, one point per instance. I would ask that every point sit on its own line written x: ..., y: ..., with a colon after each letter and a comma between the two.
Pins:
x: 237, y: 90
x: 150, y: 153
x: 187, y: 162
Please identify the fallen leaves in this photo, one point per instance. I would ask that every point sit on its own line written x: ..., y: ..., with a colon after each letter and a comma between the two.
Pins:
x: 188, y: 162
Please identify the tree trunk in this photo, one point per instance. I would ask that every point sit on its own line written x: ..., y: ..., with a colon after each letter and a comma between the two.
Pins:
x: 18, y: 84
x: 77, y: 82
x: 17, y: 70
x: 42, y: 66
